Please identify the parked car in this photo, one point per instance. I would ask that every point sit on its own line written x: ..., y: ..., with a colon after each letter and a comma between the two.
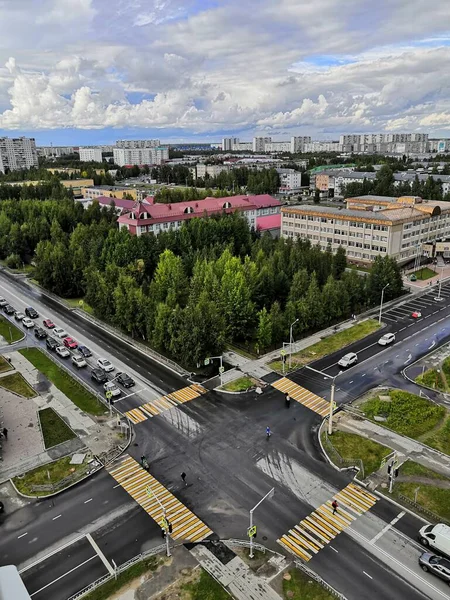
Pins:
x: 19, y: 316
x: 416, y: 314
x: 105, y: 364
x: 28, y: 323
x: 70, y: 343
x: 40, y: 333
x: 110, y: 386
x: 436, y: 537
x: 99, y: 376
x: 84, y: 351
x: 78, y: 361
x: 412, y: 277
x: 31, y: 312
x: 62, y: 351
x: 125, y: 380
x: 3, y: 302
x: 348, y: 360
x: 51, y: 343
x: 59, y: 332
x: 48, y: 323
x: 387, y: 338
x: 437, y: 565
x: 9, y: 310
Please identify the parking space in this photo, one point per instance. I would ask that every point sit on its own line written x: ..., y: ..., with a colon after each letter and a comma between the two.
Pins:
x: 426, y: 305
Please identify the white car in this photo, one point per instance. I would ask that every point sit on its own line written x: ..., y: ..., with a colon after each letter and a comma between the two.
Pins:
x: 60, y: 332
x: 28, y: 323
x: 348, y: 360
x: 104, y: 364
x: 62, y: 351
x: 78, y: 361
x: 387, y: 338
x: 110, y: 386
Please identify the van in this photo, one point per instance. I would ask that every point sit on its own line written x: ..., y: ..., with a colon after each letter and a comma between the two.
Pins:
x: 436, y: 537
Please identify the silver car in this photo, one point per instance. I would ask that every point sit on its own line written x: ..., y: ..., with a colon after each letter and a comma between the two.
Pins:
x: 348, y: 360
x: 438, y: 565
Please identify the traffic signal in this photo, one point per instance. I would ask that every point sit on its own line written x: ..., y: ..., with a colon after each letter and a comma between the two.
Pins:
x: 163, y: 533
x: 396, y: 473
x: 170, y: 527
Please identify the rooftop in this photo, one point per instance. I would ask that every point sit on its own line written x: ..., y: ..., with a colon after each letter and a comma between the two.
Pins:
x: 268, y: 222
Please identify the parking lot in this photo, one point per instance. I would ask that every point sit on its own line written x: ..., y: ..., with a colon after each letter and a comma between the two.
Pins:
x: 427, y: 305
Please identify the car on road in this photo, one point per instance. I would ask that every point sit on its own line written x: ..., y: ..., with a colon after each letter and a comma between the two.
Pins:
x: 125, y: 380
x: 9, y: 310
x: 59, y: 332
x: 99, y: 376
x: 3, y: 302
x: 48, y: 323
x: 84, y: 351
x: 31, y: 312
x: 70, y: 343
x: 62, y: 351
x: 437, y: 565
x: 105, y: 364
x: 412, y: 277
x: 110, y: 386
x: 78, y: 361
x: 416, y: 314
x: 348, y: 360
x: 28, y: 323
x: 51, y: 343
x: 40, y: 333
x: 387, y: 338
x: 19, y: 316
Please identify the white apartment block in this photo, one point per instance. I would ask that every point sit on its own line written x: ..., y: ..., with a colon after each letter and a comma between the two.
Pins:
x: 228, y: 143
x: 371, y: 226
x: 137, y: 143
x: 90, y: 154
x: 55, y: 151
x: 259, y: 143
x: 298, y: 143
x: 212, y: 170
x: 439, y: 146
x: 322, y: 146
x: 290, y: 179
x: 243, y: 147
x: 140, y: 156
x: 400, y: 143
x: 17, y: 153
x: 278, y: 147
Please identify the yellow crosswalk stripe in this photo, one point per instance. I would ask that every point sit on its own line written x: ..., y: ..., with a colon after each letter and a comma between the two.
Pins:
x: 136, y: 416
x: 321, y: 526
x: 302, y: 395
x: 135, y: 480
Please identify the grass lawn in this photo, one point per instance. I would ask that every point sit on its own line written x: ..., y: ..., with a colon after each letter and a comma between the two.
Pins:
x: 440, y: 437
x: 350, y: 445
x: 9, y: 331
x: 59, y: 469
x: 359, y: 268
x: 424, y: 273
x: 328, y: 345
x: 432, y: 379
x: 4, y: 365
x: 54, y: 430
x: 301, y: 587
x: 239, y: 385
x: 80, y: 396
x: 75, y: 303
x: 206, y: 588
x: 16, y: 383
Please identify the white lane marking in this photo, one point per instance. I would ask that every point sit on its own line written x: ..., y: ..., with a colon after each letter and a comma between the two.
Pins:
x: 90, y: 500
x: 23, y: 535
x: 409, y: 359
x: 334, y: 549
x: 54, y: 518
x: 402, y: 329
x: 116, y: 486
x: 375, y: 368
x: 351, y: 381
x: 100, y: 554
x: 363, y: 375
x: 65, y: 574
x: 387, y: 527
x: 367, y: 574
x: 44, y: 558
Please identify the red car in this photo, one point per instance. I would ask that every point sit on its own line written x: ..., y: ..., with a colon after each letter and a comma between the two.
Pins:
x: 48, y: 323
x: 70, y: 343
x: 416, y: 314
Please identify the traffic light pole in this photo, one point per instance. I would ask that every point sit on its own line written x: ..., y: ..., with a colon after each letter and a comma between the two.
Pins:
x: 165, y: 522
x: 268, y: 495
x: 221, y: 368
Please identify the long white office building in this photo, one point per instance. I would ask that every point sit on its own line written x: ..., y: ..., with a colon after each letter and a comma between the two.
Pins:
x: 140, y: 156
x: 91, y: 154
x: 17, y: 153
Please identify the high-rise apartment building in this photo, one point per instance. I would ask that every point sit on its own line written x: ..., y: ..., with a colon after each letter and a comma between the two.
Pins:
x: 137, y: 143
x: 229, y: 143
x: 140, y: 156
x: 91, y: 154
x: 17, y: 153
x: 259, y: 143
x: 384, y: 143
x: 298, y: 143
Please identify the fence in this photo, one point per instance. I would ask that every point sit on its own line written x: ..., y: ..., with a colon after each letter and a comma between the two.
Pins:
x: 421, y: 509
x: 338, y: 460
x: 52, y: 488
x: 310, y: 573
x: 245, y: 544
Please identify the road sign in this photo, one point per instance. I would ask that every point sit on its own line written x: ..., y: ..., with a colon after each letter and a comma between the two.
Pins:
x: 221, y: 369
x: 164, y: 523
x: 251, y: 531
x: 109, y: 395
x: 81, y: 303
x: 206, y: 362
x: 283, y: 352
x: 149, y: 491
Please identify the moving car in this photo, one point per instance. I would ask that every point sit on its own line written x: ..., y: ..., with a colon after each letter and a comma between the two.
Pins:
x: 99, y: 376
x: 40, y: 333
x: 31, y: 312
x: 110, y: 386
x: 9, y: 310
x: 104, y: 364
x: 51, y: 343
x: 436, y: 537
x: 19, y: 316
x: 348, y: 360
x: 70, y: 343
x: 59, y: 332
x: 84, y: 351
x: 416, y: 314
x: 28, y: 323
x: 125, y: 380
x: 62, y: 351
x: 3, y: 302
x: 78, y: 361
x: 436, y: 564
x: 48, y: 323
x: 387, y: 338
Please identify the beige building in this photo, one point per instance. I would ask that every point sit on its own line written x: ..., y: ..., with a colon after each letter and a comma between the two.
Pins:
x: 371, y: 226
x: 113, y: 192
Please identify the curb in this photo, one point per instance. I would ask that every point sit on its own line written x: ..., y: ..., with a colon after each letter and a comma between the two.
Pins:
x: 420, y: 385
x: 389, y: 499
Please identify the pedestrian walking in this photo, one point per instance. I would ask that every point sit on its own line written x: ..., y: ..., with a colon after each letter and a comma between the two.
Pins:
x: 5, y: 433
x: 183, y: 477
x: 334, y: 504
x: 268, y: 432
x: 287, y: 401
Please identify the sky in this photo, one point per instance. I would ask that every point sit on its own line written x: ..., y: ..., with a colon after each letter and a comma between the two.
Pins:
x: 92, y: 71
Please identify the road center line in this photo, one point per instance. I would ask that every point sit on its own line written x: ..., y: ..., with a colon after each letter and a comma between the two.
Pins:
x: 90, y: 500
x: 61, y: 576
x: 23, y: 535
x: 334, y: 550
x: 387, y: 527
x: 54, y: 518
x: 367, y: 574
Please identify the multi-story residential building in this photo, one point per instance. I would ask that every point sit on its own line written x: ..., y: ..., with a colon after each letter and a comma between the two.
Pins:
x: 371, y: 226
x: 439, y: 146
x: 243, y: 147
x: 298, y: 143
x: 140, y: 156
x: 90, y: 154
x: 17, y: 153
x: 384, y: 143
x: 259, y: 143
x: 113, y: 191
x: 154, y: 218
x: 277, y: 147
x: 130, y: 144
x: 290, y: 180
x: 228, y: 143
x: 211, y: 170
x: 321, y: 146
x: 55, y: 151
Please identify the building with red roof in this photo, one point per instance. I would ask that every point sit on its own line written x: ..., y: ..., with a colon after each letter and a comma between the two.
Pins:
x: 148, y: 217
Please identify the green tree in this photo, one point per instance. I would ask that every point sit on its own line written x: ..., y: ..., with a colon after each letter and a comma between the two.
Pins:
x: 339, y: 263
x: 264, y: 331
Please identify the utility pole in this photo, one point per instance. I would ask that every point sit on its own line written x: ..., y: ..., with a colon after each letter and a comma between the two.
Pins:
x: 290, y: 343
x: 333, y: 389
x: 251, y: 531
x: 381, y: 305
x: 439, y: 297
x: 165, y: 525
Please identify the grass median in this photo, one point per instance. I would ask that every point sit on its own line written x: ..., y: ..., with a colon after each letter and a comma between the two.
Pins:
x: 16, y: 383
x: 54, y: 429
x: 50, y: 474
x: 351, y: 446
x: 239, y: 385
x: 330, y: 344
x: 79, y: 395
x: 5, y: 365
x: 9, y: 331
x: 436, y: 378
x: 300, y: 587
x: 424, y: 273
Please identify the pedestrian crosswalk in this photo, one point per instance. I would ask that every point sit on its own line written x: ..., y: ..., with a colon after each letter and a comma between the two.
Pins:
x: 152, y: 496
x: 321, y: 527
x: 303, y: 396
x: 155, y: 407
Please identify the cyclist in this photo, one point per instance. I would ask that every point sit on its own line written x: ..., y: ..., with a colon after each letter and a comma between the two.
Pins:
x: 268, y: 432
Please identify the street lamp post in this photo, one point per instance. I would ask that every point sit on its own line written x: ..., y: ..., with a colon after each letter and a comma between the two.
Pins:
x: 381, y: 305
x: 333, y: 389
x: 439, y: 297
x: 221, y: 368
x: 268, y: 495
x: 165, y: 523
x: 290, y: 342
